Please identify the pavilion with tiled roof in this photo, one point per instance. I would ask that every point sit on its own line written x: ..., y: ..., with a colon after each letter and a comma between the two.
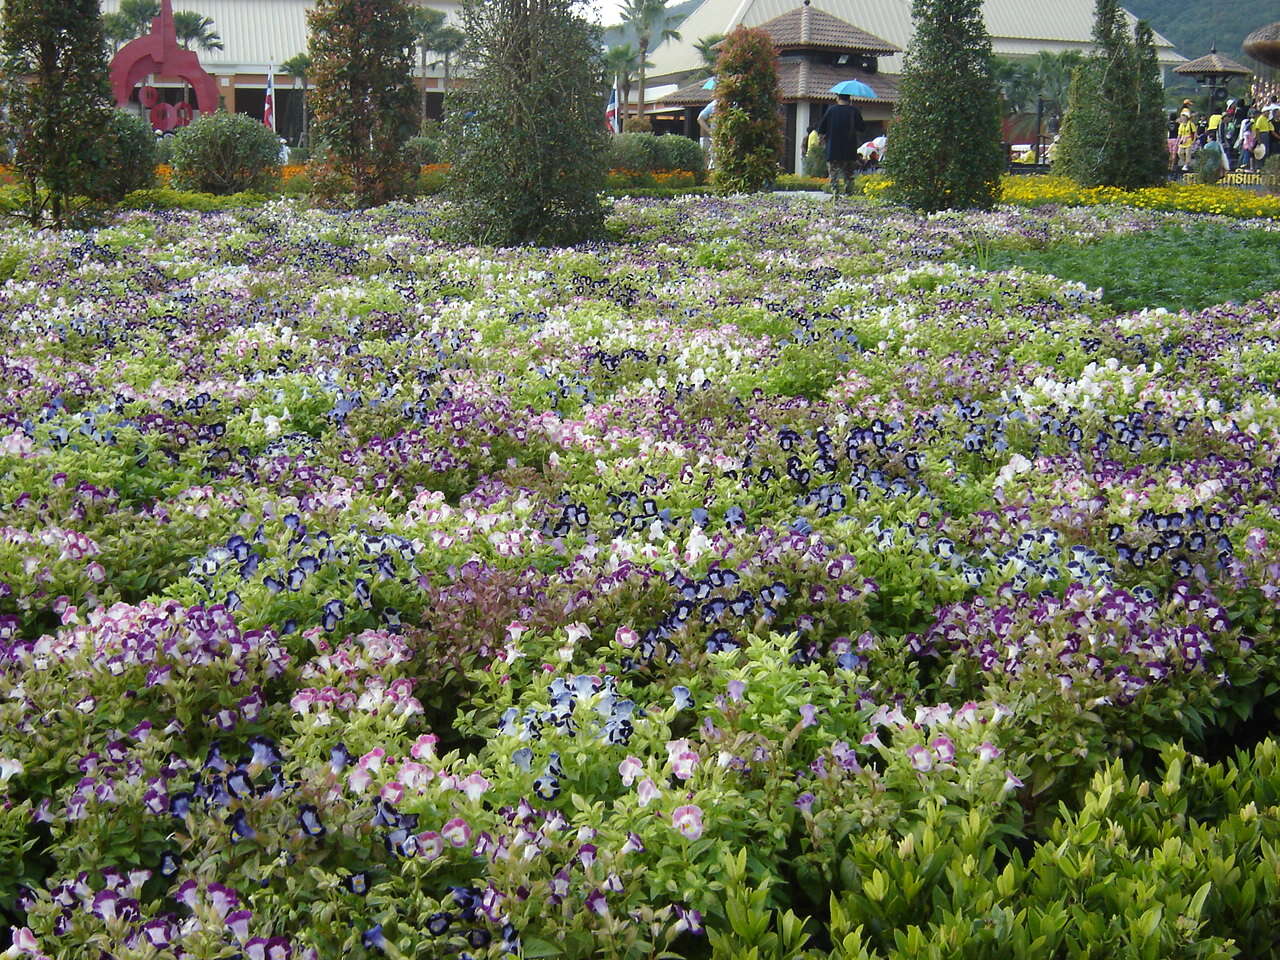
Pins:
x: 816, y: 50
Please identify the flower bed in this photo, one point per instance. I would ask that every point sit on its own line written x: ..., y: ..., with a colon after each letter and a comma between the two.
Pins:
x: 1189, y: 198
x: 765, y: 580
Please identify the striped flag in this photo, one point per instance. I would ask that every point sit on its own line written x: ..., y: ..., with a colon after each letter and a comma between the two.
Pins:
x: 612, y: 117
x: 269, y: 106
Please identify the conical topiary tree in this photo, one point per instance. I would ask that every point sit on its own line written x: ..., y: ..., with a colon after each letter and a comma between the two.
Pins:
x: 747, y: 133
x: 526, y: 134
x: 944, y: 146
x: 1113, y: 132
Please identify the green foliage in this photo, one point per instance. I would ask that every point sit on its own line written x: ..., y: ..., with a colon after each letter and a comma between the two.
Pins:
x: 196, y: 30
x: 59, y: 111
x: 420, y: 151
x: 748, y: 125
x: 225, y: 153
x: 362, y: 94
x: 525, y: 137
x: 947, y: 86
x: 131, y: 156
x: 646, y: 153
x: 1178, y: 268
x: 1113, y: 133
x: 166, y: 199
x: 815, y: 161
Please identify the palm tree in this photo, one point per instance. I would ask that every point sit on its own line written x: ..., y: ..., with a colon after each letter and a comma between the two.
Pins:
x: 1016, y: 82
x: 447, y: 41
x: 620, y: 66
x: 709, y: 55
x: 192, y: 28
x: 648, y: 19
x: 117, y: 30
x: 1052, y: 74
x: 427, y: 22
x: 135, y: 17
x: 297, y: 67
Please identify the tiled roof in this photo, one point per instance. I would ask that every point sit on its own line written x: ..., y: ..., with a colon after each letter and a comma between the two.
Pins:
x: 801, y: 80
x: 808, y: 27
x: 1017, y: 27
x: 1214, y: 62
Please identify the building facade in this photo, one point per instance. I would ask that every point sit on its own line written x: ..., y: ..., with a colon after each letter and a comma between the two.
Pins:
x: 259, y: 35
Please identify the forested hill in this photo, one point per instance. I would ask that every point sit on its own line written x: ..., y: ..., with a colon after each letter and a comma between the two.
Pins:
x: 1193, y: 25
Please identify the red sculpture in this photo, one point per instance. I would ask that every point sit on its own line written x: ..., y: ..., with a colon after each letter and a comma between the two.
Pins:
x: 158, y: 53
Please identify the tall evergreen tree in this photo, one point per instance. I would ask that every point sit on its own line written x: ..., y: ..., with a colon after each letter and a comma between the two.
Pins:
x: 747, y: 130
x: 1115, y: 109
x: 362, y: 97
x: 526, y: 135
x: 55, y: 79
x: 945, y: 147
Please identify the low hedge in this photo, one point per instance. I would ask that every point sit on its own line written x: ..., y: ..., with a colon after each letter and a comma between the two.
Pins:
x: 164, y: 198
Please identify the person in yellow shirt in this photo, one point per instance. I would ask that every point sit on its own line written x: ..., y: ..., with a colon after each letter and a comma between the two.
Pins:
x: 1215, y: 121
x: 1186, y: 138
x: 1264, y: 130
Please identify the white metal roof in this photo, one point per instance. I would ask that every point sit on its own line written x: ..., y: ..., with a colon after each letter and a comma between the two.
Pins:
x: 1017, y: 27
x: 258, y: 33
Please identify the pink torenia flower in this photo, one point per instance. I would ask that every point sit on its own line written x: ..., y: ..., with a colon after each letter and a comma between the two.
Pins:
x: 457, y: 831
x: 687, y: 820
x: 629, y: 769
x: 647, y: 792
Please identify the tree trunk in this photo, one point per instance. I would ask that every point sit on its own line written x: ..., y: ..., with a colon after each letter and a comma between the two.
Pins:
x: 446, y: 83
x: 304, y: 140
x: 422, y: 48
x: 644, y: 52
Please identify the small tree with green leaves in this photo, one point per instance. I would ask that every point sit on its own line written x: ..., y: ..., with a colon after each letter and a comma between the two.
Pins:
x: 1113, y: 132
x: 944, y: 147
x: 362, y: 96
x: 747, y: 134
x: 526, y: 135
x: 55, y: 79
x: 298, y: 67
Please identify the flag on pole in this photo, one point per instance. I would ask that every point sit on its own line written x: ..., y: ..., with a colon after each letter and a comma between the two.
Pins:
x: 611, y: 113
x: 269, y: 107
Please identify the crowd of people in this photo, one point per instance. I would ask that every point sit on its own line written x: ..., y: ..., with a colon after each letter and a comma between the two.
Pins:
x: 1241, y: 136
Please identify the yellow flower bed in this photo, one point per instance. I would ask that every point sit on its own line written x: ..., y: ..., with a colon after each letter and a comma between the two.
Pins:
x: 1192, y: 198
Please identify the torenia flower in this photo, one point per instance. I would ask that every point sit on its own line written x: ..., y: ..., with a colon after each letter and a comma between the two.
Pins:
x: 945, y: 748
x: 987, y: 751
x: 647, y: 792
x: 9, y: 768
x: 474, y: 786
x: 1011, y: 782
x: 457, y: 831
x: 687, y: 820
x: 921, y: 758
x: 626, y: 637
x: 630, y: 768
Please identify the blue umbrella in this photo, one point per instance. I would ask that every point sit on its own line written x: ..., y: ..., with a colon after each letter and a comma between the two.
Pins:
x: 710, y: 84
x: 854, y: 88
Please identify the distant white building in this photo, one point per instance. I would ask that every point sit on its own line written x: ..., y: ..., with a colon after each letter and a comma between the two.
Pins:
x: 1018, y: 28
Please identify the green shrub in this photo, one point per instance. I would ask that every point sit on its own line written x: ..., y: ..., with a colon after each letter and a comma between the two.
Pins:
x: 634, y: 151
x: 748, y: 126
x: 947, y: 84
x: 815, y: 161
x: 681, y: 153
x: 163, y: 198
x: 420, y: 151
x: 163, y: 149
x: 523, y: 173
x: 226, y: 153
x: 131, y: 156
x: 432, y: 180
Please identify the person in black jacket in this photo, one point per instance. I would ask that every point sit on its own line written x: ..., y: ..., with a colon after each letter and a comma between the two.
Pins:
x: 841, y: 131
